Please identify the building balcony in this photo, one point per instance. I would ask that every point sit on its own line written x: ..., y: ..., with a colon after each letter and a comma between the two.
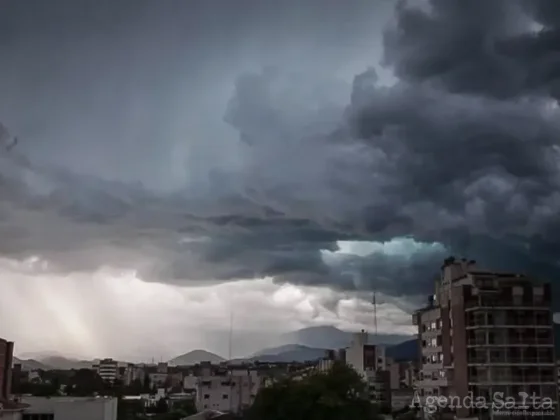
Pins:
x: 511, y: 341
x: 509, y: 360
x: 497, y: 304
x: 432, y: 383
x: 510, y: 379
x: 499, y: 325
x: 431, y: 333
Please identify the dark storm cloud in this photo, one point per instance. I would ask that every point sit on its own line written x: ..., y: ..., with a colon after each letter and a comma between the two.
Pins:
x: 481, y: 47
x: 123, y: 166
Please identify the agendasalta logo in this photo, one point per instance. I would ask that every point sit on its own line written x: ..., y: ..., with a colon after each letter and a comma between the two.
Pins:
x: 499, y: 402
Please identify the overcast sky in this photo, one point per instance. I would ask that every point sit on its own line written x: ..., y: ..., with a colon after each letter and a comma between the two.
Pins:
x: 178, y: 161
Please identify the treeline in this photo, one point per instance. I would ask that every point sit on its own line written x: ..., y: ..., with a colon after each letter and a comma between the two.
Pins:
x: 80, y: 383
x: 338, y: 394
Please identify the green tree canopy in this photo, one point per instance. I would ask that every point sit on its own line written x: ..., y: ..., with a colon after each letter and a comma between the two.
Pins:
x: 339, y: 394
x: 85, y: 382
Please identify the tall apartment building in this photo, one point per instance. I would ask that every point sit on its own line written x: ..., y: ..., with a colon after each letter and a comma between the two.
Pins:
x: 485, y: 332
x: 371, y: 363
x: 6, y: 358
x: 108, y: 369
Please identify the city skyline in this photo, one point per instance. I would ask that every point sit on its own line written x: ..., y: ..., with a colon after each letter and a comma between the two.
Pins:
x: 178, y: 162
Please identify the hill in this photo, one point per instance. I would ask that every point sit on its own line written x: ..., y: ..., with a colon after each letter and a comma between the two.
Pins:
x: 30, y: 364
x: 194, y: 357
x: 288, y: 353
x: 329, y: 337
x: 405, y: 351
x: 63, y: 363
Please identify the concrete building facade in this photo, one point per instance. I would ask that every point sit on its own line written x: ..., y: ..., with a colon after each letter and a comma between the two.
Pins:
x: 6, y: 359
x: 370, y: 362
x: 403, y: 375
x: 70, y: 408
x: 486, y: 332
x: 108, y: 369
x: 230, y: 391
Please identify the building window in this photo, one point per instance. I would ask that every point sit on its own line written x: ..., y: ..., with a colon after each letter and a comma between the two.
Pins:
x: 224, y: 396
x: 206, y: 396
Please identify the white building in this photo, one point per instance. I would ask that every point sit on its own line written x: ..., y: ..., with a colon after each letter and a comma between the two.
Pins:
x: 190, y: 382
x: 108, y: 369
x: 158, y: 379
x: 34, y: 376
x: 230, y: 392
x: 133, y: 373
x: 325, y: 365
x: 162, y: 367
x: 370, y: 362
x: 70, y: 408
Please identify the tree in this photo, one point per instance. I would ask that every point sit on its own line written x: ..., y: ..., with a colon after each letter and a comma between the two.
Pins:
x: 338, y: 394
x: 85, y: 382
x: 135, y: 388
x: 147, y: 383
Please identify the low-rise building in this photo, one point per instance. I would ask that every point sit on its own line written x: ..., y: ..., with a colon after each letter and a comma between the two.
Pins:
x: 70, y: 408
x: 231, y: 391
x: 133, y: 373
x: 401, y: 398
x: 162, y: 367
x: 158, y: 379
x: 10, y: 410
x: 402, y: 374
x: 190, y: 382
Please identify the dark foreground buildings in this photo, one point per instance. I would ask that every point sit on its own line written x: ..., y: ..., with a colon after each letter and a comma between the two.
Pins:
x: 6, y: 356
x: 485, y: 333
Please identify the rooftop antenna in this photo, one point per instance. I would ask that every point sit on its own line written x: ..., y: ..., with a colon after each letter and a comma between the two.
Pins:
x: 230, y: 332
x: 374, y: 301
x: 229, y: 355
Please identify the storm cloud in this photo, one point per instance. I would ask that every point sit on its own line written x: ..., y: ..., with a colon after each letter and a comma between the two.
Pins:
x: 136, y: 151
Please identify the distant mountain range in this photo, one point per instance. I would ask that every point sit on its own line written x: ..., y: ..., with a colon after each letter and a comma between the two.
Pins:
x: 313, y: 342
x: 329, y: 337
x: 30, y: 364
x: 53, y: 362
x: 286, y: 353
x: 194, y: 357
x: 303, y: 345
x: 405, y: 351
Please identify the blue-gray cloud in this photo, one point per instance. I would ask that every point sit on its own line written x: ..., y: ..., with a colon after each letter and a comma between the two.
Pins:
x: 146, y: 143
